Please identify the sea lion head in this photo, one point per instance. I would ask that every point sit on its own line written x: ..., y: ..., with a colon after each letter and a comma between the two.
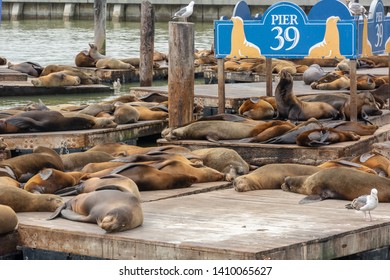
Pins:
x: 121, y: 219
x: 243, y: 184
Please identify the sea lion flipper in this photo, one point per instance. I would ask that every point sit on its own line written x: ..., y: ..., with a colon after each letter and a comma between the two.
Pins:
x: 57, y: 213
x: 366, y: 156
x: 73, y: 216
x: 45, y: 173
x: 112, y: 187
x: 311, y: 198
x: 67, y: 191
x: 212, y: 138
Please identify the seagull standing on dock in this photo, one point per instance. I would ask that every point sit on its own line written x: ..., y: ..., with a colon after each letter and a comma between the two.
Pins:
x: 365, y: 203
x: 117, y: 85
x: 185, y: 12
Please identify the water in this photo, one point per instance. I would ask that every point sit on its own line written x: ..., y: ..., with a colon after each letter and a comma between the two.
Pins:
x: 58, y: 42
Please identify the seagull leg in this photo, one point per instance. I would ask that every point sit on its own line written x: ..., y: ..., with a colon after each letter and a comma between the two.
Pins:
x: 369, y: 213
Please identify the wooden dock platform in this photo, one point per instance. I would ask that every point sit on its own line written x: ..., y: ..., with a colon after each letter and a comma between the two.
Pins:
x: 218, y: 223
x: 82, y: 139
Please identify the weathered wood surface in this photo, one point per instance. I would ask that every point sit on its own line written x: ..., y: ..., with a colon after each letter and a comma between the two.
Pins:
x: 181, y: 73
x: 80, y: 139
x: 146, y: 44
x: 100, y: 10
x: 11, y: 75
x: 220, y: 224
x: 125, y: 75
x: 260, y: 154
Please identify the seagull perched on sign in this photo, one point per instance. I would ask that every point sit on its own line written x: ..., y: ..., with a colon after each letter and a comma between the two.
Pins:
x: 365, y: 203
x: 185, y: 12
x: 356, y: 8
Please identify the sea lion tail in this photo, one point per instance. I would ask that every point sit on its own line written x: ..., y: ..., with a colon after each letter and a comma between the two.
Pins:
x: 67, y: 191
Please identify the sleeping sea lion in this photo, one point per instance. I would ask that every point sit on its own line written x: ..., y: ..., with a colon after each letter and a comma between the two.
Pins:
x: 56, y: 79
x: 324, y: 136
x: 8, y: 219
x: 77, y: 160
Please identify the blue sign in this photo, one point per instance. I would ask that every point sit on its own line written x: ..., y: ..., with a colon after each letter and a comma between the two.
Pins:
x: 1, y: 6
x: 285, y: 31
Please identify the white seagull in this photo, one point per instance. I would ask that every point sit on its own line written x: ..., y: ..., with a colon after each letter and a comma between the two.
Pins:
x: 185, y: 12
x: 117, y: 85
x: 365, y: 203
x: 356, y: 8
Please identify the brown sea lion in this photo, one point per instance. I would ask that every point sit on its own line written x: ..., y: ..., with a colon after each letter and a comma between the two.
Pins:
x: 271, y: 176
x: 125, y: 113
x: 77, y: 160
x: 93, y: 167
x: 146, y: 114
x: 114, y: 209
x: 35, y: 121
x: 290, y: 107
x: 4, y: 180
x: 98, y: 122
x: 209, y: 130
x: 50, y: 180
x: 365, y: 106
x: 337, y: 183
x: 8, y: 219
x: 358, y: 128
x: 23, y: 167
x: 334, y: 80
x: 96, y: 108
x: 85, y: 78
x: 113, y: 63
x: 83, y: 59
x: 269, y: 130
x: 149, y: 178
x: 346, y: 163
x: 94, y: 53
x: 3, y: 60
x: 57, y: 79
x: 336, y: 99
x: 381, y: 94
x: 376, y: 161
x: 256, y: 109
x: 324, y: 136
x: 23, y: 201
x: 225, y: 160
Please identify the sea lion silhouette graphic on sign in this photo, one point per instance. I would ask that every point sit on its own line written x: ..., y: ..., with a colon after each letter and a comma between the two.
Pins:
x: 329, y: 47
x: 366, y: 44
x: 240, y: 46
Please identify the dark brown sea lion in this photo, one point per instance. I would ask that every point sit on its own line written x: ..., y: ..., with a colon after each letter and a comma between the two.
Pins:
x: 113, y: 210
x: 29, y: 68
x: 125, y: 113
x: 57, y: 79
x: 98, y: 122
x: 225, y: 160
x: 324, y: 136
x: 149, y: 178
x: 154, y: 97
x: 256, y: 109
x: 50, y: 180
x: 271, y: 176
x: 269, y: 130
x: 35, y: 121
x: 336, y: 99
x: 23, y: 201
x: 365, y: 106
x: 83, y: 59
x: 376, y: 161
x: 358, y: 128
x: 8, y: 219
x: 3, y: 60
x: 337, y: 183
x: 96, y: 108
x: 77, y: 160
x: 381, y: 94
x: 23, y: 167
x: 290, y: 107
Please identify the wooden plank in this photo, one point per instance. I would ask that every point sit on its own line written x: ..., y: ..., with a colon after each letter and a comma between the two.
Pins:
x: 260, y: 154
x: 11, y: 75
x: 80, y: 139
x: 222, y: 224
x: 125, y: 75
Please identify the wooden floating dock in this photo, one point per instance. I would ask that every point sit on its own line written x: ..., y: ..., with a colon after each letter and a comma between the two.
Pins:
x: 218, y: 223
x: 82, y: 139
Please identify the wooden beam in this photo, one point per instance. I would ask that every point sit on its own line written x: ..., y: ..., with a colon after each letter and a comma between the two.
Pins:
x: 146, y: 44
x: 221, y: 86
x: 353, y: 91
x: 181, y: 73
x: 268, y: 76
x: 100, y: 7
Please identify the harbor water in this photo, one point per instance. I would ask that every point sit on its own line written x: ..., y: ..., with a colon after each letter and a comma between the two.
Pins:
x: 58, y: 42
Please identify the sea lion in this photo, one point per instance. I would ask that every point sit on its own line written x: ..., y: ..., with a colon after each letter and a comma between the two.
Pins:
x: 256, y: 109
x: 94, y: 167
x: 313, y: 73
x: 112, y: 209
x: 346, y: 163
x: 56, y: 79
x: 113, y: 63
x: 376, y: 161
x: 94, y: 53
x: 290, y: 107
x: 334, y: 80
x: 225, y: 160
x: 240, y: 46
x: 365, y: 106
x: 381, y: 95
x: 154, y: 97
x: 146, y: 114
x: 148, y: 177
x: 8, y: 219
x: 269, y: 130
x: 4, y: 180
x: 85, y: 78
x: 324, y: 136
x: 23, y: 201
x: 83, y: 59
x: 125, y: 113
x: 23, y: 167
x: 50, y: 180
x: 98, y: 122
x: 358, y: 128
x: 35, y: 121
x: 329, y: 47
x: 271, y: 176
x: 337, y: 183
x: 335, y: 99
x: 77, y: 160
x: 96, y: 108
x: 209, y: 130
x: 29, y: 68
x: 3, y: 60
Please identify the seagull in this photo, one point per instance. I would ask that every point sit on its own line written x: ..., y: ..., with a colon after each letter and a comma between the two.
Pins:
x: 117, y: 85
x: 365, y: 203
x: 185, y: 12
x: 356, y: 8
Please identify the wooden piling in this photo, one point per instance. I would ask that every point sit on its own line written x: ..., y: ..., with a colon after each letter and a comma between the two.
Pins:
x: 181, y: 73
x: 268, y: 76
x: 100, y: 7
x: 353, y: 91
x: 221, y: 86
x: 146, y: 44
